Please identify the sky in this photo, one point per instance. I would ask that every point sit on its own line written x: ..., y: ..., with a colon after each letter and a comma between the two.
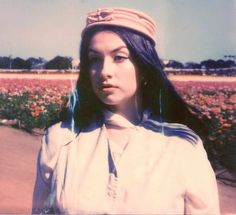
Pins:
x: 187, y: 30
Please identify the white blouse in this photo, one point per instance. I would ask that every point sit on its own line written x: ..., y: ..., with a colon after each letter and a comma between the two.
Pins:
x: 159, y: 172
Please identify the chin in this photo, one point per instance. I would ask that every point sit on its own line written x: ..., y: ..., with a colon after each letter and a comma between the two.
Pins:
x: 110, y: 103
x: 110, y: 100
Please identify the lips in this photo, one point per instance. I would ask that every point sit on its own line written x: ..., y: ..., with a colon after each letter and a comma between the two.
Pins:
x: 106, y: 87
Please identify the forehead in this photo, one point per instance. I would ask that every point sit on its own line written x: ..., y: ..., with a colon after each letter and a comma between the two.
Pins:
x: 106, y: 40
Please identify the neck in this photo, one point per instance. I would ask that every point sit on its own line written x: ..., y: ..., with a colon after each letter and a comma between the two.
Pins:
x: 133, y: 115
x: 130, y: 110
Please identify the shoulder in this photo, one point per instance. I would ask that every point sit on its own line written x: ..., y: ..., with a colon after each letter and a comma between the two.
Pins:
x: 198, y: 178
x: 171, y: 130
x: 60, y: 134
x: 54, y: 138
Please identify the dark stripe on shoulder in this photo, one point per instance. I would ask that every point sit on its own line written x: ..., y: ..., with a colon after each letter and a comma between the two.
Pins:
x: 172, y: 129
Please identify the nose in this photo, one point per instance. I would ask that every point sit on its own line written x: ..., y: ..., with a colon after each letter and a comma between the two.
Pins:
x: 107, y: 68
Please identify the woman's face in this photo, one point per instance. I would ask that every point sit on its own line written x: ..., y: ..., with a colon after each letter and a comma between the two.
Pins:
x: 112, y: 73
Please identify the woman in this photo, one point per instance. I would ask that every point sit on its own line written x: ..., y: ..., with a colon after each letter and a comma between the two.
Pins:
x: 123, y: 147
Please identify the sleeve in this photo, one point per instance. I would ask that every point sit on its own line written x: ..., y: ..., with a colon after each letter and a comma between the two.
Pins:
x: 201, y: 194
x: 47, y: 159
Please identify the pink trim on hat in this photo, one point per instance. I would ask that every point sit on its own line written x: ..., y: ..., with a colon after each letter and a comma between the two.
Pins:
x: 123, y: 17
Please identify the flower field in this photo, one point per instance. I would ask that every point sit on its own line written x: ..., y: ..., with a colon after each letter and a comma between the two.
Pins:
x: 33, y: 103
x: 217, y: 101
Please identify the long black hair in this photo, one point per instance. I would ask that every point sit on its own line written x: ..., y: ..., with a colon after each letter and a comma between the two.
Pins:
x: 158, y: 93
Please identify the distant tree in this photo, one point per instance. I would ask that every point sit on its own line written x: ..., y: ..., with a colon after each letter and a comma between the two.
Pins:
x: 59, y: 62
x: 209, y: 64
x: 212, y: 64
x: 5, y: 63
x: 174, y: 64
x: 19, y: 63
x: 36, y: 62
x: 32, y: 60
x: 192, y: 65
x: 229, y: 63
x: 220, y: 63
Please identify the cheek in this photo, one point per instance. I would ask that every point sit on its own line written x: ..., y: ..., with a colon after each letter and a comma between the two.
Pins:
x: 132, y: 85
x: 130, y: 79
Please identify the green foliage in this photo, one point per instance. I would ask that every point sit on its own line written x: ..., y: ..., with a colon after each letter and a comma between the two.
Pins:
x: 17, y: 107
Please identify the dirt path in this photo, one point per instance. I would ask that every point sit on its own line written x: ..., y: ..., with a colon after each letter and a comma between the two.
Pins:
x: 17, y: 166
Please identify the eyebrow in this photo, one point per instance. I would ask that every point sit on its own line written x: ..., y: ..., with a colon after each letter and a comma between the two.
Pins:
x: 112, y: 51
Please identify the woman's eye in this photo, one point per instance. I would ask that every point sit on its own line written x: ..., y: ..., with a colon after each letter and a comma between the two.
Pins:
x: 120, y: 58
